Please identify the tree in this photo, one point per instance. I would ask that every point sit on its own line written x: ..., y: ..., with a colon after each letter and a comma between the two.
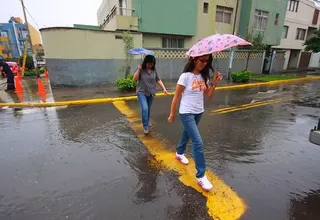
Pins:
x: 40, y: 54
x: 128, y: 44
x: 313, y: 43
x: 257, y: 45
x: 29, y: 62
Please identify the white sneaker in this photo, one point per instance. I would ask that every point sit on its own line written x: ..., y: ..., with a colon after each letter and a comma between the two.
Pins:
x: 182, y: 158
x: 204, y: 183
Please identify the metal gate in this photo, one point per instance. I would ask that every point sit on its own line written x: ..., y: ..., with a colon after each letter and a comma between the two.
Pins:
x: 304, y: 60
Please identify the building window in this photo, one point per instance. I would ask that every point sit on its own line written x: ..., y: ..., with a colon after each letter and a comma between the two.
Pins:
x: 223, y: 14
x: 261, y: 20
x: 205, y: 7
x: 301, y: 34
x: 172, y: 42
x: 285, y: 32
x: 293, y: 5
x: 276, y: 20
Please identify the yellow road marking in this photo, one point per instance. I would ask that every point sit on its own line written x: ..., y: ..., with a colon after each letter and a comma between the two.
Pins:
x: 248, y: 106
x: 127, y: 98
x: 222, y: 202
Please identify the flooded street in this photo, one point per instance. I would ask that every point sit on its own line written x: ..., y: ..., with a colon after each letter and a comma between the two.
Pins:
x: 87, y: 163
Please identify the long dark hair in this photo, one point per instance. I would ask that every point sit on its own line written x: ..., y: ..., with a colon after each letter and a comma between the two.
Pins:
x: 149, y: 59
x: 205, y: 73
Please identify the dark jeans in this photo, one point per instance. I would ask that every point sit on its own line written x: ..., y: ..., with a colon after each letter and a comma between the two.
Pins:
x: 10, y: 80
x: 190, y: 124
x: 145, y: 103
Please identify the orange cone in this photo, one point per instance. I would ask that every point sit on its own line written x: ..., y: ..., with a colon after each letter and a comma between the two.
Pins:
x: 18, y: 85
x: 43, y: 97
x: 19, y: 75
x: 20, y: 96
x: 46, y: 74
x: 41, y: 89
x: 19, y: 89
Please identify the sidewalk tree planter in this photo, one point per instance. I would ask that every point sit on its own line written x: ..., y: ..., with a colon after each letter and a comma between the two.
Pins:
x: 126, y: 84
x: 241, y: 77
x: 127, y: 45
x: 29, y: 62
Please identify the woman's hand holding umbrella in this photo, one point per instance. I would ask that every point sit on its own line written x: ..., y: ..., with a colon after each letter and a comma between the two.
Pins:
x: 217, y: 78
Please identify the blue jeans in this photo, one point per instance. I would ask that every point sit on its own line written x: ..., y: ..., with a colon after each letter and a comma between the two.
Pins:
x: 145, y: 103
x: 190, y: 122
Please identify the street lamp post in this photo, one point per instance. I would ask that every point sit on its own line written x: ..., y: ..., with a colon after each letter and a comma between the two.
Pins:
x: 30, y: 39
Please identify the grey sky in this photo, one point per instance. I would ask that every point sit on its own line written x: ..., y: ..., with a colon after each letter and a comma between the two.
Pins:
x: 48, y: 13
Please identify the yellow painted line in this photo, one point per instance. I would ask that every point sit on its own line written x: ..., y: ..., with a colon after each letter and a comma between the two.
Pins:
x: 248, y: 106
x: 127, y: 98
x: 222, y: 202
x: 234, y: 107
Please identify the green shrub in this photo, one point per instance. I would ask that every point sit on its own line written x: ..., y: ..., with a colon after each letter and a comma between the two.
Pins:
x: 42, y: 69
x: 241, y: 77
x: 30, y: 72
x: 126, y: 84
x: 29, y: 62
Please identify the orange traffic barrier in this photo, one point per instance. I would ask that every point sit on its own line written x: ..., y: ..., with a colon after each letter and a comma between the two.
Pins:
x: 18, y: 85
x: 41, y: 89
x: 19, y: 75
x: 19, y: 89
x: 43, y: 97
x: 46, y: 74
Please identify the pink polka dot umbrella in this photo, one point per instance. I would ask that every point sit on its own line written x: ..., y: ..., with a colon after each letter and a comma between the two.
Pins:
x: 216, y: 43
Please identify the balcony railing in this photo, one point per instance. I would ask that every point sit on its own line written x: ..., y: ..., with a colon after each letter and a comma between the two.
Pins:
x: 118, y: 11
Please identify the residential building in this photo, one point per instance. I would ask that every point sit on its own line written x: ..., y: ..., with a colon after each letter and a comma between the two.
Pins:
x: 263, y: 17
x: 169, y: 24
x: 302, y: 19
x: 13, y: 36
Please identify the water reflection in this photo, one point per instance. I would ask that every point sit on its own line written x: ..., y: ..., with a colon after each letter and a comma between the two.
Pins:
x: 305, y: 207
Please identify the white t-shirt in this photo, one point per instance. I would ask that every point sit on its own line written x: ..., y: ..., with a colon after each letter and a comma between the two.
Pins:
x: 192, y: 100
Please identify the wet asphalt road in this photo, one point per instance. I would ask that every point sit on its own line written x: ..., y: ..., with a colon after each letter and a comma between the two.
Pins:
x: 86, y: 163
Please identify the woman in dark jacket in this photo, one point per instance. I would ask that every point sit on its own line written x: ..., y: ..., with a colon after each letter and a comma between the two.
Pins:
x: 10, y: 77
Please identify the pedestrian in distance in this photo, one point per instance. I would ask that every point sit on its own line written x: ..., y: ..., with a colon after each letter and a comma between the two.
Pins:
x: 193, y: 85
x: 147, y: 77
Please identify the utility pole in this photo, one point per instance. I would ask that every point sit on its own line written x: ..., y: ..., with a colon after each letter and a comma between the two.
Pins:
x: 232, y: 50
x: 30, y: 39
x: 235, y: 18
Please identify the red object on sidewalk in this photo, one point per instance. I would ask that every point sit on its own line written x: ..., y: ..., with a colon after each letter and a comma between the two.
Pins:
x: 41, y: 89
x: 46, y: 74
x: 18, y: 88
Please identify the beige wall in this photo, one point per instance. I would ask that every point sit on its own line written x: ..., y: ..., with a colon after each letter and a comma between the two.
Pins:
x: 223, y: 28
x: 290, y: 42
x: 35, y: 35
x: 301, y: 19
x: 120, y: 22
x: 106, y: 6
x: 152, y: 41
x: 72, y: 43
x: 207, y: 25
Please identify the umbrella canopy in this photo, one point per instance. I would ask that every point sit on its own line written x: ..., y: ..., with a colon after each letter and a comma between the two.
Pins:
x: 215, y: 43
x: 140, y: 51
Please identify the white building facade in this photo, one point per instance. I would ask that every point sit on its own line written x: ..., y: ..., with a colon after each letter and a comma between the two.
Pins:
x: 302, y: 19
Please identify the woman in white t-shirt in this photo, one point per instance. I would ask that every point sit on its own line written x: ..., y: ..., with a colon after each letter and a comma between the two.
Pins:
x: 192, y: 86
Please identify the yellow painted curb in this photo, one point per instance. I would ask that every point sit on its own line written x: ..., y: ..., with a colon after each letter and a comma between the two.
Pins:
x: 127, y: 98
x: 222, y: 202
